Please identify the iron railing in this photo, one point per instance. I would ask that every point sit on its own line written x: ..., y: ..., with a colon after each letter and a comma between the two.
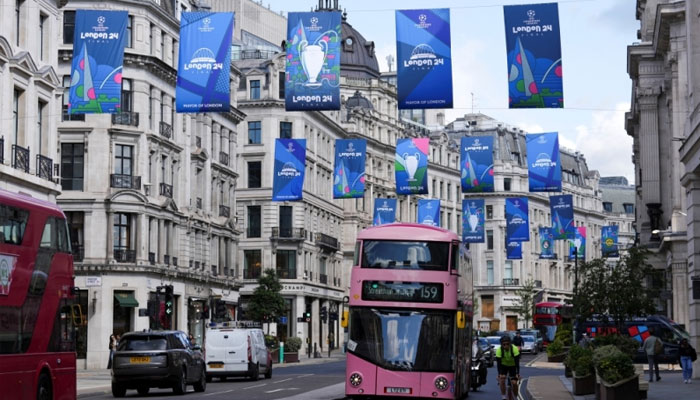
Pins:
x: 511, y: 281
x: 223, y: 158
x: 126, y: 118
x: 124, y: 255
x: 326, y: 241
x: 125, y: 181
x: 20, y: 158
x: 252, y: 54
x: 166, y: 130
x: 288, y: 232
x: 44, y: 167
x: 251, y: 274
x: 66, y: 116
x: 166, y: 190
x: 287, y: 273
x: 224, y: 211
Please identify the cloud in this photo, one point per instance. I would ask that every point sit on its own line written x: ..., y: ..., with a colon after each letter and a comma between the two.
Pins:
x: 619, y: 16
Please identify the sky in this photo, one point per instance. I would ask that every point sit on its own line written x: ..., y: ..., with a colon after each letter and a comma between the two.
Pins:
x: 597, y: 90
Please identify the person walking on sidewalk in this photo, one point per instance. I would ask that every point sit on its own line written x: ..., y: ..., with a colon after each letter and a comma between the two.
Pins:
x: 653, y: 347
x: 112, y: 348
x: 687, y: 357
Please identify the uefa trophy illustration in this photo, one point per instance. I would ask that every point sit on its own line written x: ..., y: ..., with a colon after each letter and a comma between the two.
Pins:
x: 473, y: 220
x: 411, y: 163
x: 312, y: 58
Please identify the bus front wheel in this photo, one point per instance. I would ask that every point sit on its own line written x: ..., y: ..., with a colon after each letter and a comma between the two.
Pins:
x: 43, y: 391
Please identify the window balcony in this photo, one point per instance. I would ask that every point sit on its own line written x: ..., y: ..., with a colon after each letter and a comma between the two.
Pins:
x: 287, y: 273
x: 224, y: 211
x: 166, y: 130
x: 511, y: 282
x: 251, y: 273
x: 65, y: 116
x: 20, y: 158
x: 326, y: 242
x: 124, y: 255
x: 125, y: 181
x: 126, y: 118
x: 288, y: 233
x: 166, y: 190
x: 223, y: 158
x: 44, y: 166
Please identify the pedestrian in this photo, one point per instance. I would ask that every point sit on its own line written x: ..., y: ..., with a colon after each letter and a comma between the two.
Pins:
x: 654, y: 347
x: 585, y: 341
x: 687, y: 357
x: 518, y: 340
x: 112, y: 347
x: 191, y: 338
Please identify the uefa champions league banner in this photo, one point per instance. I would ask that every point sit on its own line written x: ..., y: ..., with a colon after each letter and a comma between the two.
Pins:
x: 562, y: 210
x: 204, y: 66
x: 477, y: 164
x: 473, y: 221
x: 514, y: 251
x: 424, y: 55
x: 534, y: 56
x: 98, y: 55
x: 546, y: 243
x: 609, y: 241
x: 517, y: 220
x: 384, y: 211
x: 349, y: 173
x: 429, y: 212
x: 543, y: 166
x: 411, y: 166
x: 313, y: 61
x: 290, y: 164
x: 577, y: 246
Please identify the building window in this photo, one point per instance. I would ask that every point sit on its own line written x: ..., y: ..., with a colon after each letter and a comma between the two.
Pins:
x: 629, y: 208
x: 162, y: 45
x: 18, y: 19
x: 72, y: 166
x: 123, y: 158
x: 68, y: 26
x: 287, y: 264
x: 506, y: 184
x: 489, y: 240
x: 508, y: 273
x: 253, y: 264
x: 121, y: 230
x: 285, y: 130
x: 254, y: 174
x: 151, y: 99
x: 489, y: 272
x: 127, y: 96
x: 254, y: 89
x: 150, y: 38
x: 607, y: 206
x: 16, y: 100
x: 162, y: 107
x: 489, y: 212
x: 43, y: 40
x: 254, y: 132
x: 285, y: 221
x: 281, y: 81
x: 254, y: 221
x: 130, y: 32
x: 40, y: 109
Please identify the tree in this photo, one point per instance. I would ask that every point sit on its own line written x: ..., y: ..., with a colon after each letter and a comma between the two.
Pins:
x: 266, y: 304
x: 526, y: 303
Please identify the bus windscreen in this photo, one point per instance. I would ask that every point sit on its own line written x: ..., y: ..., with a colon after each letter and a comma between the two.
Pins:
x: 391, y: 254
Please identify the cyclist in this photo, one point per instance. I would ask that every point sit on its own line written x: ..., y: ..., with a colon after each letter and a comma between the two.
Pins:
x: 508, y: 363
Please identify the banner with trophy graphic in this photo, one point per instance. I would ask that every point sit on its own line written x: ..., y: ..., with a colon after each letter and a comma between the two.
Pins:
x: 411, y: 167
x: 608, y: 242
x: 98, y: 55
x: 514, y: 251
x: 429, y: 212
x: 517, y: 220
x: 534, y: 56
x: 562, y: 210
x: 477, y: 164
x: 424, y: 65
x: 313, y: 61
x: 473, y: 221
x: 546, y: 243
x: 384, y: 211
x: 204, y: 65
x: 290, y: 164
x: 543, y: 166
x: 349, y: 173
x: 577, y: 246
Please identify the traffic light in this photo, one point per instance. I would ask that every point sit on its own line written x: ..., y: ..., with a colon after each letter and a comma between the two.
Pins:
x: 307, y: 313
x: 169, y: 305
x: 324, y: 313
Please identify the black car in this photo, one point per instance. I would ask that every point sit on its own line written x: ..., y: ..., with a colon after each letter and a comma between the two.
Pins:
x: 487, y: 351
x: 163, y: 359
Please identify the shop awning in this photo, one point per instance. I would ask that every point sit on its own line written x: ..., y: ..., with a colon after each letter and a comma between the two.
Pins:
x: 126, y: 299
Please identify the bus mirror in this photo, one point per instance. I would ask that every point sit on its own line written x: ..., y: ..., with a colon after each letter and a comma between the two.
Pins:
x: 77, y: 315
x: 344, y: 320
x: 461, y: 320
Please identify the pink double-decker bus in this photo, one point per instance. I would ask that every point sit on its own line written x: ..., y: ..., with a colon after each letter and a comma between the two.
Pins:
x: 409, y: 314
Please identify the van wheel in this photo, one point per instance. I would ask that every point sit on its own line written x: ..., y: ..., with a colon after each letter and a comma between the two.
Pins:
x: 43, y: 390
x: 268, y: 371
x: 255, y: 373
x: 208, y: 378
x: 201, y: 385
x: 118, y: 390
x: 180, y: 386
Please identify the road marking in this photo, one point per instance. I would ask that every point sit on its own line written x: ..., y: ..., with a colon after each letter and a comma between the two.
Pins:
x: 273, y: 391
x: 254, y: 386
x: 283, y: 380
x: 211, y: 394
x: 305, y: 375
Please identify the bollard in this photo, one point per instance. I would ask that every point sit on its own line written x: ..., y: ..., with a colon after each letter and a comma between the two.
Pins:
x: 281, y: 352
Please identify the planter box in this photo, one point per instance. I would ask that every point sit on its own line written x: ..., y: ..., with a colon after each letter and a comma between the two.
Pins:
x: 291, y: 357
x: 623, y: 390
x: 275, y: 354
x: 556, y: 358
x: 584, y: 385
x: 567, y: 372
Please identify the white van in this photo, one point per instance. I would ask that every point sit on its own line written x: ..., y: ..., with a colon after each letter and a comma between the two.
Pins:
x: 233, y: 351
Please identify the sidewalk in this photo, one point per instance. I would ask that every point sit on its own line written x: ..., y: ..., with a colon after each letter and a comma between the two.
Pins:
x: 100, y: 380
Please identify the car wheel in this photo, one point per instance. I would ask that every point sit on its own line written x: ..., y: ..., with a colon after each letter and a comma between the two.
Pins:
x: 255, y: 373
x: 201, y: 385
x: 43, y: 390
x: 180, y: 386
x: 268, y: 371
x: 143, y: 390
x: 118, y: 390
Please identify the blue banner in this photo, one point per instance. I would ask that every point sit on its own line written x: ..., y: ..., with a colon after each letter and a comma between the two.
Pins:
x: 424, y: 55
x: 609, y: 242
x: 514, y: 251
x: 429, y: 212
x: 204, y: 66
x: 577, y: 246
x: 473, y: 221
x: 384, y: 211
x: 546, y: 243
x: 411, y: 166
x: 477, y: 164
x: 543, y: 165
x: 313, y: 61
x: 534, y: 56
x: 290, y: 164
x: 349, y: 173
x: 517, y: 217
x: 562, y: 209
x: 98, y: 54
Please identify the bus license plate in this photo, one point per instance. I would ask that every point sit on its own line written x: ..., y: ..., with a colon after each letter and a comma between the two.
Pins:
x: 140, y: 360
x: 216, y: 365
x: 401, y: 390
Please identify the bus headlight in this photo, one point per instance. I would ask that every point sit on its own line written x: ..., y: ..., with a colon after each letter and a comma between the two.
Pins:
x: 441, y: 383
x: 355, y: 380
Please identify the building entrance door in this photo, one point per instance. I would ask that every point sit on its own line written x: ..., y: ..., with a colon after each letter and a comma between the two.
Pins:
x: 512, y: 322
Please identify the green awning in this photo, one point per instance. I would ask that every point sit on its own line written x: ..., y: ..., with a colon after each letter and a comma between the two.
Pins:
x: 126, y: 299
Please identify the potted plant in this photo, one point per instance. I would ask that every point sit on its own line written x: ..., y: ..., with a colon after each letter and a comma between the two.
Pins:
x: 273, y: 346
x: 555, y: 351
x: 291, y: 349
x: 580, y: 360
x: 617, y: 375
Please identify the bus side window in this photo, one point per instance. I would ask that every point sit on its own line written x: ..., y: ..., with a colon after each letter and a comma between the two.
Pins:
x: 454, y: 263
x: 48, y: 238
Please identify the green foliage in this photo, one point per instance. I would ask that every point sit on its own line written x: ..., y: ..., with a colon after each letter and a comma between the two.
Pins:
x: 271, y: 342
x: 554, y: 348
x: 580, y: 360
x: 266, y: 304
x: 526, y: 305
x: 612, y: 364
x: 564, y: 334
x: 625, y: 344
x: 292, y: 345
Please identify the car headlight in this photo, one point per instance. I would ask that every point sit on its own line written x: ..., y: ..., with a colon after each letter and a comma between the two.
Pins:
x: 441, y: 383
x: 355, y: 380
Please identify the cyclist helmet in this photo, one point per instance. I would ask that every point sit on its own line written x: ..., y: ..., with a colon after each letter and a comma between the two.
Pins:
x: 505, y: 339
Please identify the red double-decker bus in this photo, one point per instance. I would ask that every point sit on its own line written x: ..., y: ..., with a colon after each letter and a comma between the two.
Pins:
x: 410, y: 314
x: 37, y: 315
x: 548, y: 317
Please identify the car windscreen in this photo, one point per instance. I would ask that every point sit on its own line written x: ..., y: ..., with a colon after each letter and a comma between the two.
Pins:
x: 140, y: 343
x: 494, y: 341
x: 528, y: 338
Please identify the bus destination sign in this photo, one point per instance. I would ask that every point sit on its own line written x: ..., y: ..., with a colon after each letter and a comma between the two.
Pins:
x: 416, y: 292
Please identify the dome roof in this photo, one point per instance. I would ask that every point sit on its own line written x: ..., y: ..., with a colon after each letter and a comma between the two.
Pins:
x: 358, y: 100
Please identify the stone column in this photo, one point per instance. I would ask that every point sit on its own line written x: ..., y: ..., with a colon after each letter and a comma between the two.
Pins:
x: 142, y: 237
x: 691, y: 182
x: 649, y: 146
x: 161, y: 240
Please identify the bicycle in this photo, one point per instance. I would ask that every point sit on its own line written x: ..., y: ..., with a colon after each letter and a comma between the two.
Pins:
x: 511, y: 390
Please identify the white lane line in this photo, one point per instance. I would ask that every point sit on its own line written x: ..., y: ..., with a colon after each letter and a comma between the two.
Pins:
x: 273, y: 391
x: 305, y: 375
x: 283, y: 380
x: 211, y: 394
x: 254, y: 386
